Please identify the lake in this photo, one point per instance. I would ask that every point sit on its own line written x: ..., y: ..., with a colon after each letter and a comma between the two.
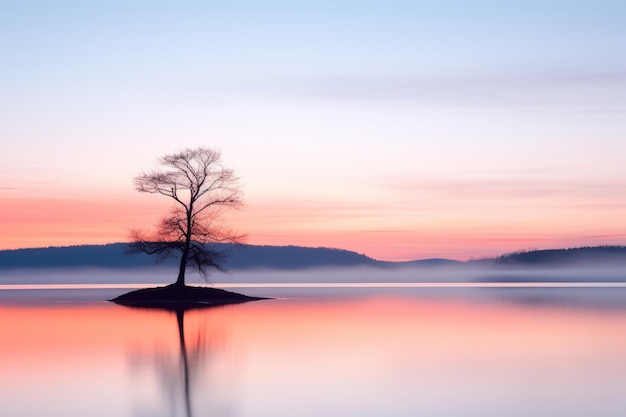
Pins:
x: 321, y: 350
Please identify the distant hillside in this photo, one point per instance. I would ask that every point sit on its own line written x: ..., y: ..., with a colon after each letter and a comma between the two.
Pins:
x: 585, y: 255
x: 294, y: 257
x: 244, y: 257
x: 291, y: 258
x: 430, y: 262
x: 105, y: 256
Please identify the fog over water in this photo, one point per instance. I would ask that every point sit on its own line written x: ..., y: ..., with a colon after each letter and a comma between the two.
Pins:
x: 462, y: 273
x: 580, y: 286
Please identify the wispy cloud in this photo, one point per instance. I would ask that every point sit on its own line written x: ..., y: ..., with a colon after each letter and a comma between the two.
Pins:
x: 606, y: 236
x: 513, y: 188
x: 600, y: 92
x: 589, y: 90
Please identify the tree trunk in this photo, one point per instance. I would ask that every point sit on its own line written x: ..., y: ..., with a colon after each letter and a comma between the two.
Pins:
x: 180, y: 281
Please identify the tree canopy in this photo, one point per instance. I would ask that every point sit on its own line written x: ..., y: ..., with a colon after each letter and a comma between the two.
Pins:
x: 201, y: 187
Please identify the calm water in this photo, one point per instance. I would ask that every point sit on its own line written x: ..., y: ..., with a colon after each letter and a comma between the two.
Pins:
x: 325, y: 350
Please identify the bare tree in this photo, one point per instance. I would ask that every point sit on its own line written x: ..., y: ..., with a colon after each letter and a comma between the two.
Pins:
x: 201, y: 188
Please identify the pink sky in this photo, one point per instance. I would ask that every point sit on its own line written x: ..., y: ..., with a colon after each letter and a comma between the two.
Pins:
x: 382, y: 233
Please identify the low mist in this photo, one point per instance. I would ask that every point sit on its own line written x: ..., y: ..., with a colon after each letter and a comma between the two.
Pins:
x: 579, y: 287
x: 457, y: 273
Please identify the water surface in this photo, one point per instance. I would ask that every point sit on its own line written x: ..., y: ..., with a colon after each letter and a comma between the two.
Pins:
x: 320, y: 351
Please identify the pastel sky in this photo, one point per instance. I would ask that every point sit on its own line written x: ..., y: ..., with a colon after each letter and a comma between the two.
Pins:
x: 398, y: 129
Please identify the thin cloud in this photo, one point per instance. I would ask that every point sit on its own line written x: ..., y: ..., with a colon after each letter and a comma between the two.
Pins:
x: 589, y: 90
x: 505, y: 188
x: 605, y: 236
x: 544, y: 170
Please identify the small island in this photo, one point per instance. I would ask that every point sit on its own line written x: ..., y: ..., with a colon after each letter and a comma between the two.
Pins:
x: 181, y: 297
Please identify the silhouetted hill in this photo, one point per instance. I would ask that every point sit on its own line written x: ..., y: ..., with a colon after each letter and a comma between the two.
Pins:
x: 244, y: 257
x: 585, y: 255
x: 291, y: 258
x: 430, y: 262
x: 98, y: 256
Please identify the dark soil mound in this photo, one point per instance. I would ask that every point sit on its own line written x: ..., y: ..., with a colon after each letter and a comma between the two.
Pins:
x: 176, y: 297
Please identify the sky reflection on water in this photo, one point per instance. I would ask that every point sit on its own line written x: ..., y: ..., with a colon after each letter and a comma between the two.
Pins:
x: 370, y: 354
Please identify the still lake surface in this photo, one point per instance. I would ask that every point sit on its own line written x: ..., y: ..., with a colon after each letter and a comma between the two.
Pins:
x: 333, y: 349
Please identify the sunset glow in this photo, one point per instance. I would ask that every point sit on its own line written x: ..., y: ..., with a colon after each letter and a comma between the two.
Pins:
x: 402, y: 130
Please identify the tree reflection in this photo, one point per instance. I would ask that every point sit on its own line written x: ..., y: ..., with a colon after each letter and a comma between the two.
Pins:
x: 182, y: 374
x: 180, y: 320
